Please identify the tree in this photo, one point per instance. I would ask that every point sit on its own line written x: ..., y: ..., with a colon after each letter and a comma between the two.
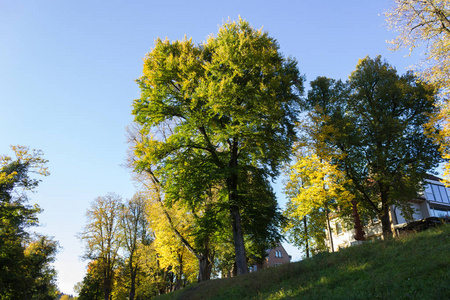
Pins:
x: 102, y: 237
x: 91, y: 286
x: 374, y: 127
x: 307, y: 232
x: 25, y: 260
x: 425, y: 24
x: 230, y: 104
x: 173, y: 243
x: 208, y: 224
x: 39, y: 254
x: 134, y: 229
x: 314, y: 188
x: 202, y: 218
x: 180, y: 234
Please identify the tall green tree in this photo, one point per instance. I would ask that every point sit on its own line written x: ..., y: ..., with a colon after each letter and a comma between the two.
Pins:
x: 103, y: 238
x: 374, y: 127
x: 230, y: 104
x: 25, y: 259
x: 207, y: 231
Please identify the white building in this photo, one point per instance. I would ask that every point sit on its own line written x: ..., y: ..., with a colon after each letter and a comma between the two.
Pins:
x: 434, y: 202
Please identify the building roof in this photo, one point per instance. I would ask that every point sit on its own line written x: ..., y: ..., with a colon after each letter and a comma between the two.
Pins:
x: 432, y: 177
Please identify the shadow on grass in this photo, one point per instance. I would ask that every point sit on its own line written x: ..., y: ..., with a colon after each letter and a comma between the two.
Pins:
x: 413, y: 267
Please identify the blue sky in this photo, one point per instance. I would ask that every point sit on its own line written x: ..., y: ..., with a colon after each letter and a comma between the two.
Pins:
x: 67, y: 71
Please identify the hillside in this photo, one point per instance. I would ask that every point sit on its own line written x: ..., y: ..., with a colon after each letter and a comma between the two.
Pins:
x: 412, y: 267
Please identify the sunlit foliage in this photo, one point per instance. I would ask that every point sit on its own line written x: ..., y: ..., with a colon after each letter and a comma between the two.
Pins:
x: 315, y: 188
x: 425, y: 25
x: 25, y: 259
x: 372, y: 128
x: 103, y: 238
x: 213, y: 113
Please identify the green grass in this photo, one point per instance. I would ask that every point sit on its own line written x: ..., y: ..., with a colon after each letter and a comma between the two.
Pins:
x: 412, y: 267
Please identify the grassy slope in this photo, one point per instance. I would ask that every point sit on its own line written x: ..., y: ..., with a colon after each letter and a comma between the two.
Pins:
x: 413, y: 267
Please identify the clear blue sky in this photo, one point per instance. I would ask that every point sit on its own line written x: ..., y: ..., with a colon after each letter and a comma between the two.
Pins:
x: 67, y: 71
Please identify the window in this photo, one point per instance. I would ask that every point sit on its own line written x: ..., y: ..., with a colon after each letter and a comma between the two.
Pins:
x: 429, y: 193
x: 440, y: 213
x: 443, y: 192
x: 437, y: 193
x: 278, y: 253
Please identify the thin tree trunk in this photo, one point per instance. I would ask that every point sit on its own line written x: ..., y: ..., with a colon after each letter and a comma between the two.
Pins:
x: 330, y: 234
x: 306, y: 235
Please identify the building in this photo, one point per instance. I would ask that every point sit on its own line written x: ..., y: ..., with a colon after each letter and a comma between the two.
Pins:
x: 275, y: 257
x: 433, y: 202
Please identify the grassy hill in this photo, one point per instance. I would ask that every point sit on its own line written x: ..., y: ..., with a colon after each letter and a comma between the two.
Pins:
x: 412, y: 267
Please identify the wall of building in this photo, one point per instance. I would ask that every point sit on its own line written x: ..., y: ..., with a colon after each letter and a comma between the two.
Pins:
x: 278, y: 256
x: 275, y: 257
x: 417, y: 215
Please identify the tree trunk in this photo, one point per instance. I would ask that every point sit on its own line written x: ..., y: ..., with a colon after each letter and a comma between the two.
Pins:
x: 238, y: 238
x: 233, y: 270
x: 386, y: 222
x: 233, y: 200
x: 179, y: 274
x: 307, y: 238
x: 205, y: 268
x: 107, y: 283
x: 106, y: 288
x: 330, y: 234
x: 133, y: 280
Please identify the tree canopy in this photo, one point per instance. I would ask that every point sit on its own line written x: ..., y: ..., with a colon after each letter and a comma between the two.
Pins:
x: 425, y: 25
x: 373, y: 126
x: 314, y: 187
x: 103, y: 238
x: 215, y: 112
x: 25, y: 259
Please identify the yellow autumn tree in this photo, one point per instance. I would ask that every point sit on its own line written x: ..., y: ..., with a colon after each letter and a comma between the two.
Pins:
x: 172, y: 225
x: 425, y: 25
x: 315, y: 188
x: 314, y: 182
